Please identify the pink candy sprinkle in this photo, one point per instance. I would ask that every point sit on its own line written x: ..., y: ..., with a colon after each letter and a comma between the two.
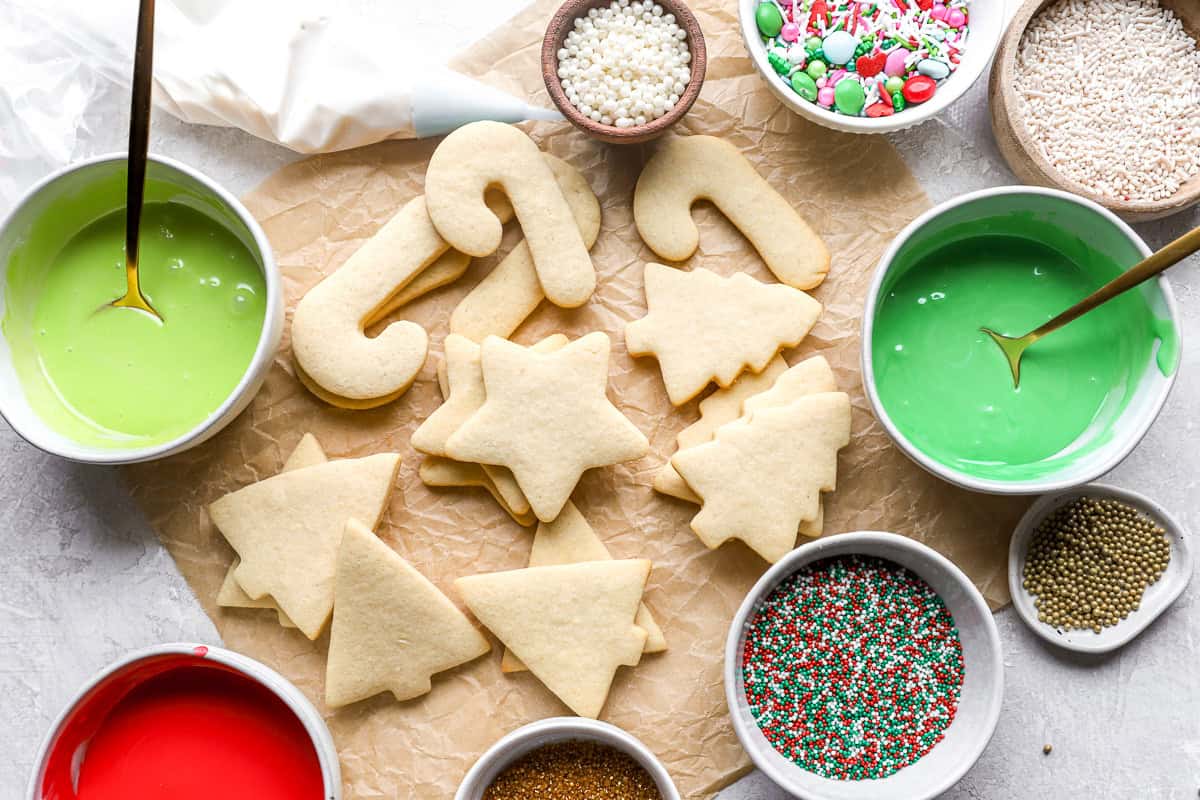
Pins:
x: 825, y: 97
x: 790, y: 32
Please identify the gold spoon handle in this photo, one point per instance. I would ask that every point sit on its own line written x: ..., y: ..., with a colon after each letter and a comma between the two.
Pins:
x: 1156, y: 263
x: 139, y: 136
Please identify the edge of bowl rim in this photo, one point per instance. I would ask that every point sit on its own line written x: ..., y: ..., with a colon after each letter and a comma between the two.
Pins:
x: 948, y: 474
x: 564, y: 727
x: 281, y: 687
x: 1037, y: 511
x: 813, y: 550
x: 868, y: 125
x: 274, y: 293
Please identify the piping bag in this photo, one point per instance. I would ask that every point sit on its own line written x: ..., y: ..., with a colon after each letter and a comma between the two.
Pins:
x: 312, y: 76
x: 312, y: 79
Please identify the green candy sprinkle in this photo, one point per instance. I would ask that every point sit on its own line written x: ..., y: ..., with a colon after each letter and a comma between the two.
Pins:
x: 804, y: 86
x: 849, y: 96
x: 769, y: 19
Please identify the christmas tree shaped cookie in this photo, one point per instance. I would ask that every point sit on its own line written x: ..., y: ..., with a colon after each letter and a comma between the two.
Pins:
x: 702, y: 327
x: 572, y: 625
x: 547, y: 418
x: 392, y: 629
x: 231, y: 595
x: 570, y: 540
x: 287, y: 529
x: 762, y: 476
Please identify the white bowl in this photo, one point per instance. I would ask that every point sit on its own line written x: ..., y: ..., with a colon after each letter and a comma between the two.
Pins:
x: 1107, y: 233
x: 104, y: 690
x: 1156, y: 599
x: 200, y: 193
x: 988, y: 19
x: 559, y: 729
x: 979, y: 702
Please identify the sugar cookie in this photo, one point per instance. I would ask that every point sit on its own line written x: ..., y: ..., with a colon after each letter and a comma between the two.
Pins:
x: 392, y: 629
x: 547, y: 418
x: 307, y: 453
x: 570, y: 540
x: 748, y: 394
x: 703, y: 327
x: 761, y: 476
x: 485, y: 155
x: 448, y: 473
x: 287, y: 529
x: 510, y: 292
x: 723, y: 405
x: 462, y: 387
x: 685, y: 169
x: 571, y: 624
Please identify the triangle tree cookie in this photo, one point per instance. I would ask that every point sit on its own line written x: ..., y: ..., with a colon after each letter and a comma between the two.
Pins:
x: 231, y: 595
x: 547, y: 418
x: 703, y: 327
x: 762, y: 476
x: 570, y: 540
x: 287, y: 530
x: 392, y: 629
x: 572, y: 624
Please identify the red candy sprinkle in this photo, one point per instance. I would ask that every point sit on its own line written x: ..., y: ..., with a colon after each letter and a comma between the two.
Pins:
x: 870, y: 66
x: 919, y: 88
x: 880, y: 109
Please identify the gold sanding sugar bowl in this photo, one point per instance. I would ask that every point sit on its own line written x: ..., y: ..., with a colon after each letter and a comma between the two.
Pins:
x: 531, y: 737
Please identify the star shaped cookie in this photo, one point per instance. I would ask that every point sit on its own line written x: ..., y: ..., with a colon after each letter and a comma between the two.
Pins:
x: 547, y: 418
x: 703, y: 327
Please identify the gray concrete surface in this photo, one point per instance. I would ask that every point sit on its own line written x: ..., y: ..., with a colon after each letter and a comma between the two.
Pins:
x: 83, y: 579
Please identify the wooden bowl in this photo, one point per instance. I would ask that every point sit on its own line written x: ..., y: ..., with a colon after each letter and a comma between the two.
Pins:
x: 556, y: 33
x: 1022, y: 153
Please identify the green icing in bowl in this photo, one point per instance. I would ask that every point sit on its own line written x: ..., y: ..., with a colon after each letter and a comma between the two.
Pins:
x: 946, y: 386
x: 117, y: 378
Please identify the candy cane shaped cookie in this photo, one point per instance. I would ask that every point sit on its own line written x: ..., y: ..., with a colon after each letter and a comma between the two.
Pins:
x: 485, y: 155
x: 690, y: 168
x: 334, y: 357
x: 510, y: 292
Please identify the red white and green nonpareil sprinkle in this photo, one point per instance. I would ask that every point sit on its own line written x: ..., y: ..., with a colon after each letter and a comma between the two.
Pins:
x: 852, y: 668
x: 864, y: 58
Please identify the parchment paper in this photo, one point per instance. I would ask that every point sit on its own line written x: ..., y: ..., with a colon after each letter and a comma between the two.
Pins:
x: 854, y: 190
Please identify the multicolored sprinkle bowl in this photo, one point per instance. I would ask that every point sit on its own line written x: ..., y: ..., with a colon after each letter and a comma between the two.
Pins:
x: 979, y: 701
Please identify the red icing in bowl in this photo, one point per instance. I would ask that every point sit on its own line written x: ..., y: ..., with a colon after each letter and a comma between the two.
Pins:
x: 186, y: 729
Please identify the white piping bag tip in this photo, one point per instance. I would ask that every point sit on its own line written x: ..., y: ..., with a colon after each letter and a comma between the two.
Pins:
x: 443, y: 100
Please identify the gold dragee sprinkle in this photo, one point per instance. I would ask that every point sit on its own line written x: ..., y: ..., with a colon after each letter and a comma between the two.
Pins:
x: 1089, y: 563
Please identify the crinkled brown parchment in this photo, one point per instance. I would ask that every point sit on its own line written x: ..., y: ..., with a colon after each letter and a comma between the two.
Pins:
x: 855, y: 191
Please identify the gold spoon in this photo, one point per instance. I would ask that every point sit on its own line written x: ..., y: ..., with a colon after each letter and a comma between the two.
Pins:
x: 1156, y: 263
x: 139, y: 142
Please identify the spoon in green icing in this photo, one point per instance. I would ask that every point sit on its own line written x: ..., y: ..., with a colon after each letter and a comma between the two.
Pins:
x: 1014, y: 346
x: 139, y: 143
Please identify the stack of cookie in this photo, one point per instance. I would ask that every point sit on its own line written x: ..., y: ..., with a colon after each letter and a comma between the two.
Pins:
x: 766, y: 443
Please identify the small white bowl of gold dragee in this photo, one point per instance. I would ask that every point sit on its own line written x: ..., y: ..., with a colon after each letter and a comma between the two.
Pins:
x: 526, y: 740
x: 1166, y: 587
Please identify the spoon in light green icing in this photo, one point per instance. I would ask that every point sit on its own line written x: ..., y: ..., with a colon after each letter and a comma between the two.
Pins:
x: 1014, y: 346
x: 139, y: 143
